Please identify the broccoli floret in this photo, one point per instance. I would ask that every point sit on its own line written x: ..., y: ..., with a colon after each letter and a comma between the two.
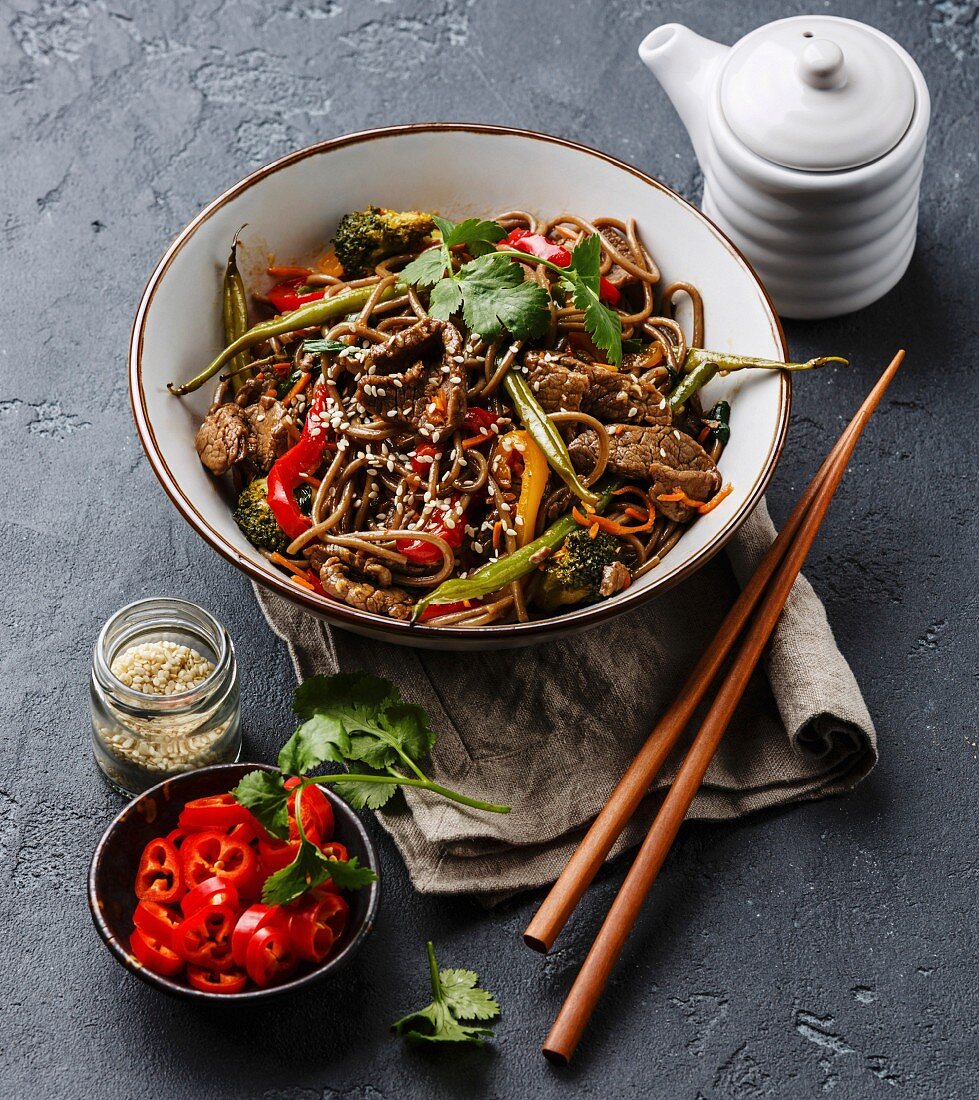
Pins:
x: 366, y: 237
x: 256, y: 519
x: 576, y: 571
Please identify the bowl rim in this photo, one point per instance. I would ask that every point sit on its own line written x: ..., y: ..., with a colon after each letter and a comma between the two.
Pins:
x: 167, y: 985
x: 362, y: 621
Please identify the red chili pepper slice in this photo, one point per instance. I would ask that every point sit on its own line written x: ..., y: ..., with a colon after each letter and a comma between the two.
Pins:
x: 270, y: 956
x: 154, y: 955
x: 212, y: 891
x: 156, y: 921
x: 204, y: 938
x: 253, y: 918
x: 536, y: 244
x: 426, y: 553
x: 285, y: 296
x: 433, y: 611
x: 176, y: 837
x: 216, y: 981
x: 159, y: 876
x: 205, y: 855
x: 422, y: 457
x: 219, y: 811
x: 317, y: 924
x: 284, y: 477
x: 276, y: 854
x: 317, y: 816
x: 248, y: 832
x: 479, y: 420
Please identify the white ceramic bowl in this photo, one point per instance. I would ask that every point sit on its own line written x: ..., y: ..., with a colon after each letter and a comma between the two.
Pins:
x: 291, y: 208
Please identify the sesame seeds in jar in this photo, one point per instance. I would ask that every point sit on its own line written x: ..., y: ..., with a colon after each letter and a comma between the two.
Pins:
x: 164, y: 694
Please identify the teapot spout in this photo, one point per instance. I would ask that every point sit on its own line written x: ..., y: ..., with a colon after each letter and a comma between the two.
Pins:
x: 686, y: 65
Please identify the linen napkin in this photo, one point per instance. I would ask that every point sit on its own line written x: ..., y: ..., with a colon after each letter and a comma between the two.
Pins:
x: 550, y: 729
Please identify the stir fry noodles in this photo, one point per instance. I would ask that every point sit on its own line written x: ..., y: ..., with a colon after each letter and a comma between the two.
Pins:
x: 467, y: 423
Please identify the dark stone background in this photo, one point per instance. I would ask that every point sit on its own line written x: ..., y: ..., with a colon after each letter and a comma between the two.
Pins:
x: 828, y: 948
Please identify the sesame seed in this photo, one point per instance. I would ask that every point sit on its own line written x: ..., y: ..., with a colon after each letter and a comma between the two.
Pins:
x: 633, y: 411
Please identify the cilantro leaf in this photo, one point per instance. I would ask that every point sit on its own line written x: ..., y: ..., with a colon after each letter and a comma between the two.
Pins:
x: 321, y: 738
x: 463, y: 996
x: 364, y: 795
x: 445, y: 299
x: 583, y: 281
x: 347, y: 874
x: 495, y: 296
x: 456, y: 997
x: 427, y: 268
x: 265, y: 795
x: 476, y: 235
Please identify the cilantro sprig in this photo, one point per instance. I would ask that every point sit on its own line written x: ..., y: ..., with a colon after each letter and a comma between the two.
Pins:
x: 353, y: 719
x: 456, y: 996
x: 491, y: 293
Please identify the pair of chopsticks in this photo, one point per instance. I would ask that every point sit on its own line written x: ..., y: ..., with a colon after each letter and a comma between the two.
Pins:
x: 752, y: 619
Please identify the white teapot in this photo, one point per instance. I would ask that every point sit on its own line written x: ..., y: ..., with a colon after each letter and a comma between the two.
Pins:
x: 810, y: 133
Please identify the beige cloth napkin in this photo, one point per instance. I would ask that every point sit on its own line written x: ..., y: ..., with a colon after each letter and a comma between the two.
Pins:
x: 550, y: 729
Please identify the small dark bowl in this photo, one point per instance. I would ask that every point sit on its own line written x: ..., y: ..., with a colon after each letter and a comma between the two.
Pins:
x: 113, y: 871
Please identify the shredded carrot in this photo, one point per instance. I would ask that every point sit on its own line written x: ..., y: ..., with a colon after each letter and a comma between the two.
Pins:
x: 497, y: 534
x: 593, y: 523
x: 703, y: 509
x: 289, y: 272
x: 278, y: 559
x: 635, y: 513
x: 330, y: 265
x: 680, y: 496
x: 635, y: 490
x: 303, y: 583
x: 593, y: 531
x: 437, y: 407
x: 301, y: 383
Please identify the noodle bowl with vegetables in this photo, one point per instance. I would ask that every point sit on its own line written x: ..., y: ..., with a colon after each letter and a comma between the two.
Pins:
x: 467, y: 423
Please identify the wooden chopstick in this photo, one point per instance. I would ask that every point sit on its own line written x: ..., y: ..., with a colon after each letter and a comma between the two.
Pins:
x: 633, y: 787
x: 590, y: 982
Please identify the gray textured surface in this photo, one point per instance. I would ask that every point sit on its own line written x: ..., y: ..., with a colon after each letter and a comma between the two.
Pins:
x: 830, y: 948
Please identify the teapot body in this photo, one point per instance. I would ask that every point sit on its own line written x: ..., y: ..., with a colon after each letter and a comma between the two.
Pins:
x: 825, y: 242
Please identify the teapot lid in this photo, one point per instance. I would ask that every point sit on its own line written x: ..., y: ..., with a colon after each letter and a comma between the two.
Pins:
x: 817, y: 93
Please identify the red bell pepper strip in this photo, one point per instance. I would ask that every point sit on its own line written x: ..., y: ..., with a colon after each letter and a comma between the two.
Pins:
x: 285, y: 296
x: 536, y: 244
x: 284, y: 477
x: 422, y: 458
x: 426, y: 553
x: 479, y: 420
x: 438, y: 609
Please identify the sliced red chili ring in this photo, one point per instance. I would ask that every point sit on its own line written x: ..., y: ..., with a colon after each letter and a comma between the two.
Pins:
x: 270, y: 956
x: 253, y: 918
x: 219, y: 812
x: 159, y: 876
x: 276, y: 854
x: 156, y: 921
x: 212, y: 891
x: 154, y: 955
x: 317, y: 924
x: 204, y: 938
x: 207, y: 854
x: 216, y: 981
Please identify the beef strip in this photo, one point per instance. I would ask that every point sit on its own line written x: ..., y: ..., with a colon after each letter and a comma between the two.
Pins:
x: 379, y: 600
x: 414, y: 376
x: 562, y: 383
x: 559, y: 381
x: 618, y: 276
x: 256, y: 435
x: 666, y: 457
x: 357, y: 560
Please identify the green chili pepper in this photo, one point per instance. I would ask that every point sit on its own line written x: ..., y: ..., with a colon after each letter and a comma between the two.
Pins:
x: 312, y: 315
x: 718, y: 421
x: 700, y: 366
x: 545, y: 434
x: 235, y: 312
x: 497, y: 574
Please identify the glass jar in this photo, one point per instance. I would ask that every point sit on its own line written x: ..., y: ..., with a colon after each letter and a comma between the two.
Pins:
x: 140, y: 736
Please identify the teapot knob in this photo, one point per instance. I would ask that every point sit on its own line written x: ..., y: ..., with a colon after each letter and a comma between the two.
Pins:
x: 821, y: 64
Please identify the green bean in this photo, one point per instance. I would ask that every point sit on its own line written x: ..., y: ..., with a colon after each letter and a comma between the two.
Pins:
x: 312, y: 315
x: 701, y: 366
x: 235, y: 314
x: 498, y: 574
x: 545, y: 434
